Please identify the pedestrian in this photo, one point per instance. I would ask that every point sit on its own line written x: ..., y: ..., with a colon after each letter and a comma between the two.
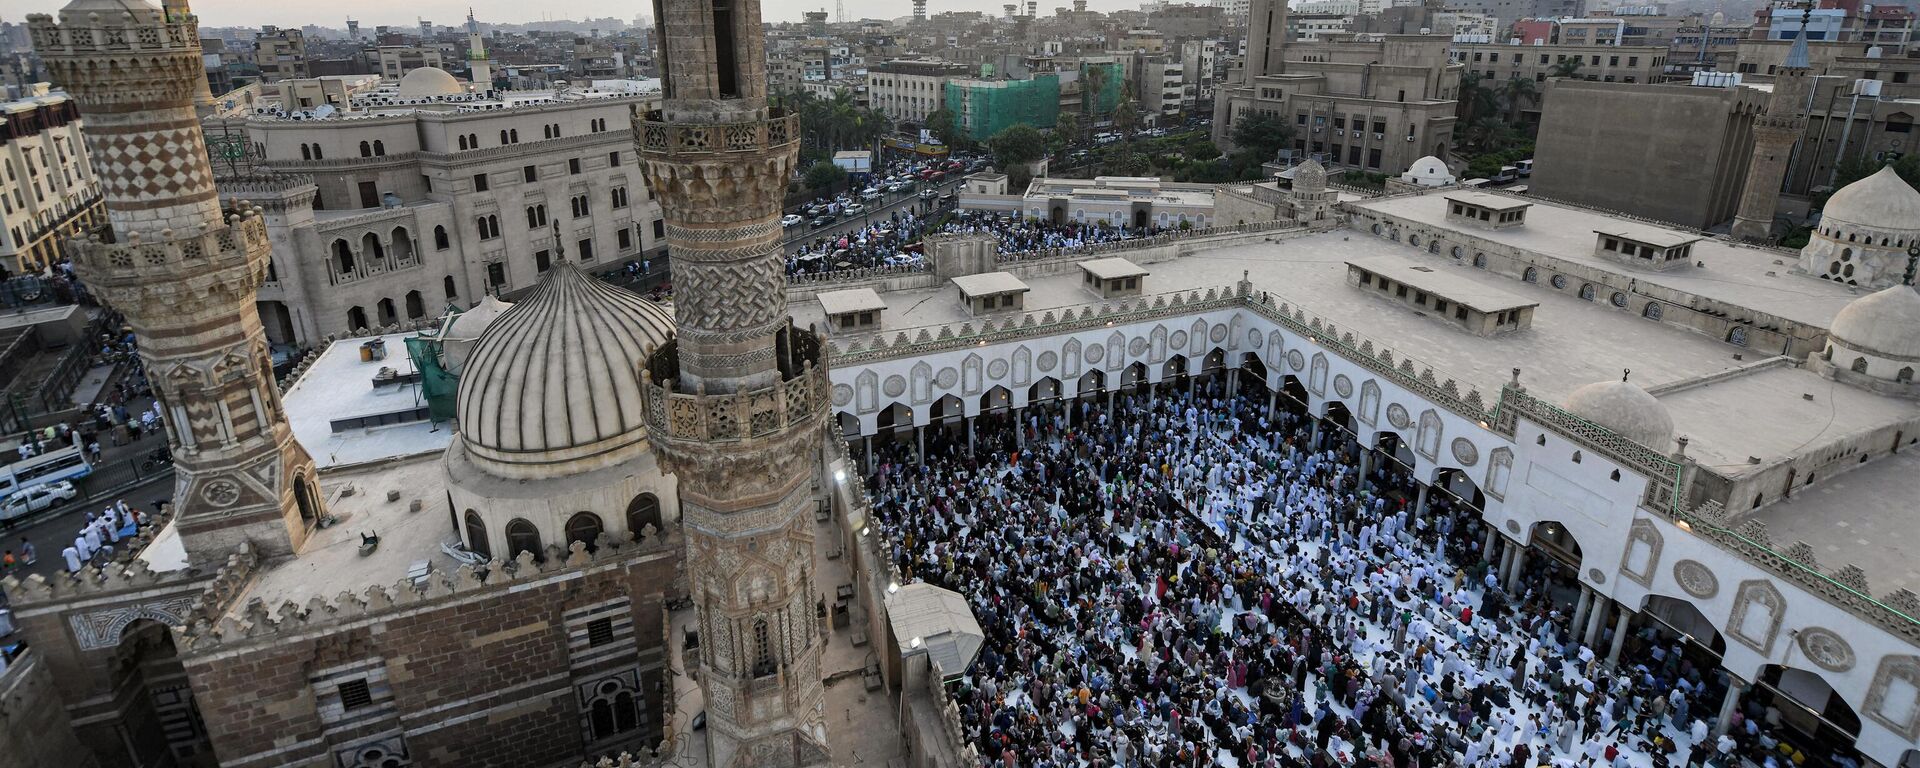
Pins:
x: 72, y: 556
x: 27, y: 552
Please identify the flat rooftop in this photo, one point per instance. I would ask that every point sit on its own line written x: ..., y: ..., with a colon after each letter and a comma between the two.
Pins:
x: 850, y: 300
x: 1484, y: 200
x: 988, y: 283
x: 331, y: 563
x: 339, y: 387
x: 1658, y: 237
x: 1445, y: 283
x: 1112, y: 268
x: 1719, y: 417
x: 1862, y: 517
x: 1733, y: 274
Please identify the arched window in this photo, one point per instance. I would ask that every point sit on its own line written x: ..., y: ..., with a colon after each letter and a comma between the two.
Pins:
x: 366, y: 149
x: 402, y: 244
x: 503, y: 137
x: 370, y: 245
x: 1859, y: 365
x: 447, y: 285
x: 463, y: 143
x: 1433, y: 246
x: 1413, y: 240
x: 477, y: 535
x: 473, y: 140
x: 386, y: 312
x: 1479, y: 261
x: 1587, y: 292
x: 440, y: 242
x: 342, y: 257
x: 1905, y: 376
x: 1619, y: 299
x: 762, y: 649
x: 379, y: 148
x: 306, y: 152
x: 584, y: 528
x: 1532, y: 275
x: 1652, y: 311
x: 1737, y: 336
x: 356, y: 319
x: 523, y: 537
x: 416, y: 305
x: 1458, y: 252
x: 643, y: 511
x: 613, y: 710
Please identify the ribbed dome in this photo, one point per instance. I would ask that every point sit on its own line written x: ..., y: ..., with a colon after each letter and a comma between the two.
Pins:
x: 557, y: 377
x: 427, y: 82
x: 1310, y: 176
x: 1626, y: 409
x: 1885, y: 323
x: 1882, y: 201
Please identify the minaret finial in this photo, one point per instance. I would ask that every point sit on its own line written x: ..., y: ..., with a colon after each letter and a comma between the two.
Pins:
x: 1624, y: 372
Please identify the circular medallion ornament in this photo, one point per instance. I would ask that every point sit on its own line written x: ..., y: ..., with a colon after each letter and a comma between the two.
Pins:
x: 1594, y: 575
x: 1047, y: 361
x: 1137, y: 347
x: 1559, y: 281
x: 1619, y: 299
x: 1253, y: 336
x: 1465, y: 452
x: 842, y: 394
x: 1513, y: 526
x: 1296, y: 360
x: 894, y: 386
x: 1177, y: 340
x: 1696, y: 579
x: 221, y: 493
x: 1219, y: 333
x: 1827, y: 649
x: 946, y: 378
x: 1096, y: 352
x: 997, y: 369
x: 1342, y: 385
x: 1396, y: 415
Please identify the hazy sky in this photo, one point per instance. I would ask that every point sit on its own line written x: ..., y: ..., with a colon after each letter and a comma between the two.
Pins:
x: 334, y: 13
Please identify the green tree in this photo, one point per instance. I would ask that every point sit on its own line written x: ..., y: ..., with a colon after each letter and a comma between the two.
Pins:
x: 1098, y: 76
x: 1262, y: 133
x: 945, y: 128
x: 1567, y: 67
x: 1202, y: 150
x: 1127, y: 164
x: 1017, y: 145
x: 1517, y: 91
x: 1067, y: 126
x: 1126, y: 118
x: 825, y: 175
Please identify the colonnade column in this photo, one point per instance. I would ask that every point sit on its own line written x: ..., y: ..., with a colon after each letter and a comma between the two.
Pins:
x: 1519, y: 565
x: 1735, y: 689
x: 1594, y: 616
x: 1506, y: 561
x: 1273, y: 398
x: 969, y: 420
x: 1580, y: 611
x: 1493, y: 539
x: 1619, y: 636
x: 1420, y: 499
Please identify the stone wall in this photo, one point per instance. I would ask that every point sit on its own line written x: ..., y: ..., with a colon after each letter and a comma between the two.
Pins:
x: 467, y: 672
x: 34, y: 729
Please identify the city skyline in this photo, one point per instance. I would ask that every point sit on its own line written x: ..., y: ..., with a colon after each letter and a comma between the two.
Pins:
x: 236, y: 13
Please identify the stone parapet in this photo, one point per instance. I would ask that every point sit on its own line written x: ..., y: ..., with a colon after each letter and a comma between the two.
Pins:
x: 237, y: 250
x: 656, y: 134
x: 133, y: 60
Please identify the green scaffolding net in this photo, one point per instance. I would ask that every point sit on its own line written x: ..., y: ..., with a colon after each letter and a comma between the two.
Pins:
x: 984, y: 108
x: 437, y: 384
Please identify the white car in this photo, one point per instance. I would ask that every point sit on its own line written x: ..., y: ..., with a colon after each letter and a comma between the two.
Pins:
x: 790, y: 219
x: 30, y: 500
x: 855, y: 209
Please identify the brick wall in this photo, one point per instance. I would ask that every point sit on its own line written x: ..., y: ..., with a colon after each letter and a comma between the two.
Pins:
x: 478, y: 678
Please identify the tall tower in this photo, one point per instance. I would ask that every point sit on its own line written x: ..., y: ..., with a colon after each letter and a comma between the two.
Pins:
x: 1774, y: 135
x: 184, y: 273
x: 736, y: 401
x: 479, y: 66
x: 1266, y: 38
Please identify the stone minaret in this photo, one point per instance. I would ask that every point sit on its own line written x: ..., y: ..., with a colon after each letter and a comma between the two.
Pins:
x: 183, y: 272
x: 1774, y: 135
x: 477, y: 61
x: 736, y: 402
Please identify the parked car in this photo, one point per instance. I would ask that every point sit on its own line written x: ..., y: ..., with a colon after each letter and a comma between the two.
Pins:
x: 928, y: 194
x: 855, y: 209
x: 791, y: 219
x: 30, y: 500
x: 871, y: 194
x: 821, y: 220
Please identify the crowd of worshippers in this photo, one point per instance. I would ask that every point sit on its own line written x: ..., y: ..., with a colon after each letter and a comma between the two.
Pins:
x: 1189, y: 581
x: 1023, y: 235
x: 879, y: 244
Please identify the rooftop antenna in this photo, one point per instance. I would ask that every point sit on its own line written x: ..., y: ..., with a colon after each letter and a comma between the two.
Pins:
x: 839, y: 11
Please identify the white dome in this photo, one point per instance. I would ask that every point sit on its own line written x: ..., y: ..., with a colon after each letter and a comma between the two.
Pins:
x: 427, y: 82
x: 1885, y: 324
x: 1882, y: 201
x: 463, y: 330
x: 1429, y: 166
x: 556, y: 378
x: 1627, y: 410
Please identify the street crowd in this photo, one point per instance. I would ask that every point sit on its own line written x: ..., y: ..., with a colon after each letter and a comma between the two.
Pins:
x: 1184, y: 580
x: 1024, y: 235
x: 884, y: 242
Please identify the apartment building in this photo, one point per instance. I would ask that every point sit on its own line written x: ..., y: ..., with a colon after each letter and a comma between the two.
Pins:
x: 907, y: 90
x: 48, y: 190
x: 281, y: 54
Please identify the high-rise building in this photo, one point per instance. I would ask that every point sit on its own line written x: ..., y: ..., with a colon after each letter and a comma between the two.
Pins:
x: 747, y: 389
x: 48, y: 190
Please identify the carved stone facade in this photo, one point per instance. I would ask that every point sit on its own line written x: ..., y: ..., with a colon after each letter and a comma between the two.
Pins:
x: 185, y: 276
x: 736, y: 402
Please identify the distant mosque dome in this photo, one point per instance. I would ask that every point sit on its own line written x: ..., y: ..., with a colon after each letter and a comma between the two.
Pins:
x: 553, y: 384
x: 1625, y: 409
x: 1309, y: 176
x: 428, y: 82
x: 1865, y: 231
x: 1428, y: 171
x: 463, y: 330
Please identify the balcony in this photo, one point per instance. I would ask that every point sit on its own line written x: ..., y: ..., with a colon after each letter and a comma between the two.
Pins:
x: 661, y: 136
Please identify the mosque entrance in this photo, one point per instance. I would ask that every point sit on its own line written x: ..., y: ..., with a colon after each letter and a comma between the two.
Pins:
x: 1817, y: 722
x: 160, y: 724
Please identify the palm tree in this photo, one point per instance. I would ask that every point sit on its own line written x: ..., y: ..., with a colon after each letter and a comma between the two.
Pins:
x: 1097, y: 75
x: 1567, y: 67
x: 1514, y: 91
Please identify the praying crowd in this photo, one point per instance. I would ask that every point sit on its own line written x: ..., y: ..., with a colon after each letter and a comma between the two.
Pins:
x: 1181, y: 579
x: 1023, y: 235
x: 98, y: 538
x: 883, y: 242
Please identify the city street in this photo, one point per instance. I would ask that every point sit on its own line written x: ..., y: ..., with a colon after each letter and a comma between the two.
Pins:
x: 800, y: 233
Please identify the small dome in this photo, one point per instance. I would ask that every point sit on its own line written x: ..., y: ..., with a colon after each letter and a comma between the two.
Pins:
x: 1429, y: 166
x: 1309, y: 176
x: 463, y: 330
x: 427, y: 82
x: 1885, y: 324
x: 1882, y: 201
x: 1626, y: 409
x: 556, y: 378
